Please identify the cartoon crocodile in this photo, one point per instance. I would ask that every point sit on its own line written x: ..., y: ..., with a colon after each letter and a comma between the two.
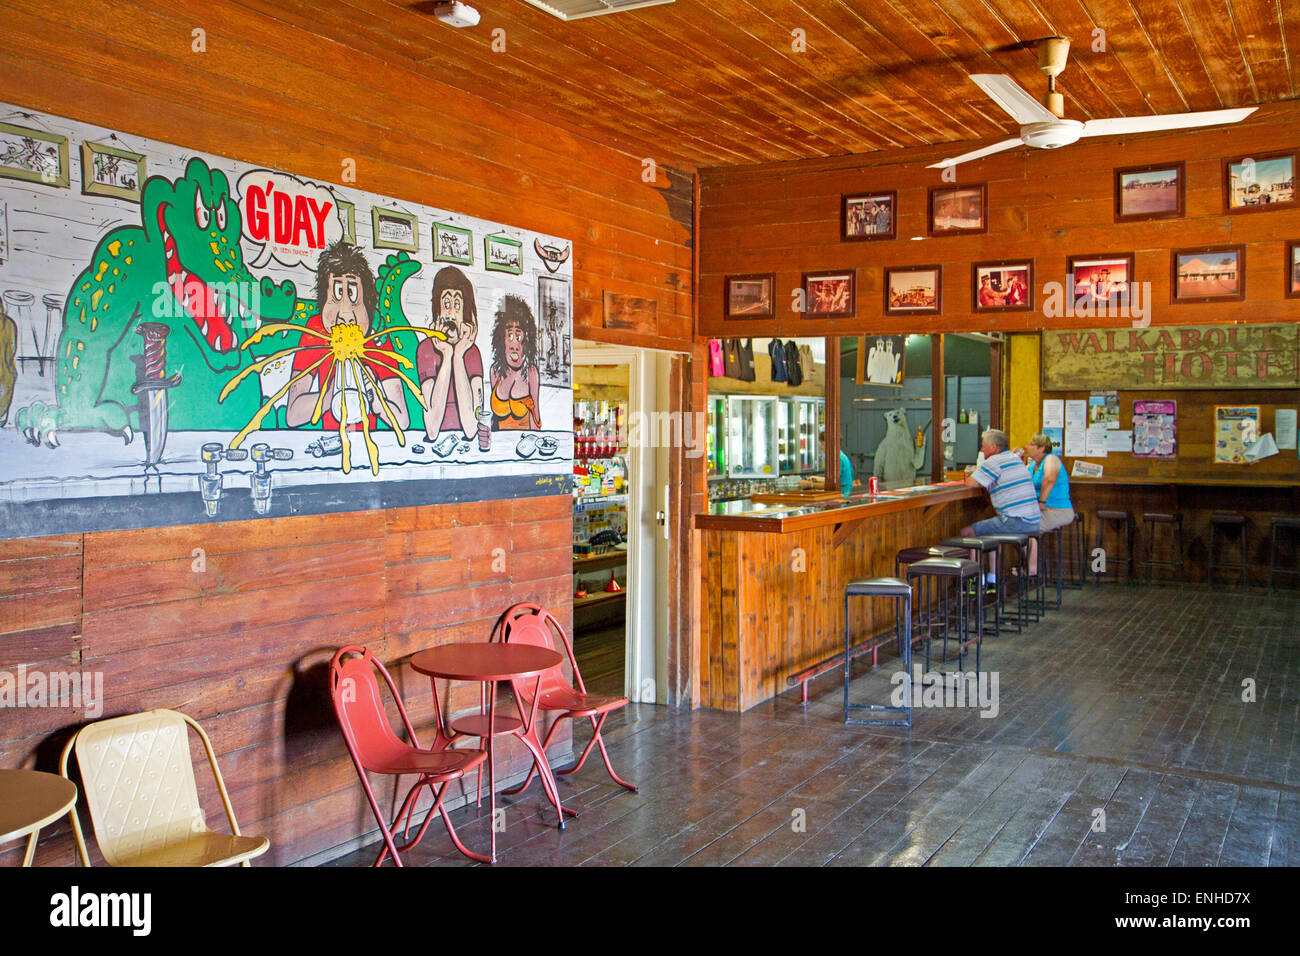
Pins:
x: 183, y: 267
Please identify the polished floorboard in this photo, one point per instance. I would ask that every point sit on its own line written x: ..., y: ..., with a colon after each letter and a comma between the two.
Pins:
x: 1136, y: 726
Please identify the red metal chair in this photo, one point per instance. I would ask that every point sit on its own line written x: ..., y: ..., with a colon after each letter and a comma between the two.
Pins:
x: 532, y: 624
x: 376, y: 748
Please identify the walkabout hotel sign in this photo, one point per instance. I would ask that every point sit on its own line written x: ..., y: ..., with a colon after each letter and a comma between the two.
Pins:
x: 1200, y: 356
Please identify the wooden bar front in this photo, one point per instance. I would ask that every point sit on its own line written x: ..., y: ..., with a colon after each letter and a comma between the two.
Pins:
x: 772, y: 593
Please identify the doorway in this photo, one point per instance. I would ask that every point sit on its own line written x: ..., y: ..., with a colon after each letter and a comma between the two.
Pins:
x: 619, y: 534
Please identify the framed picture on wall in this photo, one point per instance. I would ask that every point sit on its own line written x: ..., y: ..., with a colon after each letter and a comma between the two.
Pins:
x: 958, y: 210
x: 33, y: 155
x: 1259, y: 183
x: 1149, y: 192
x: 1006, y: 286
x: 109, y: 171
x: 1102, y: 280
x: 452, y: 244
x: 394, y: 229
x: 830, y: 295
x: 914, y: 290
x: 868, y: 216
x: 750, y: 297
x: 502, y: 254
x: 1216, y: 274
x: 1292, y: 270
x: 882, y: 360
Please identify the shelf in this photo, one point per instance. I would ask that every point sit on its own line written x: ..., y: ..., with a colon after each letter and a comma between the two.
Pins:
x: 611, y: 559
x: 599, y: 597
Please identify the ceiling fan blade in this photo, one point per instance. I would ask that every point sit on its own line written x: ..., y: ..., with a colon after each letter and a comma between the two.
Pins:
x: 1013, y: 98
x: 976, y: 154
x: 1151, y: 124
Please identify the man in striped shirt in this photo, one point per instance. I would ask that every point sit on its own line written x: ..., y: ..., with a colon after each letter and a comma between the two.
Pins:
x: 1009, y: 485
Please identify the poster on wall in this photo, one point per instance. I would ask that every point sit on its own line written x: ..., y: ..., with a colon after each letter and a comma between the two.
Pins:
x: 1103, y: 409
x: 1155, y: 429
x: 1235, y: 427
x: 198, y: 338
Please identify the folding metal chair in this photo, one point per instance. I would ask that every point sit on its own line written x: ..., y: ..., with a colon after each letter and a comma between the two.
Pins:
x: 376, y: 748
x: 531, y: 624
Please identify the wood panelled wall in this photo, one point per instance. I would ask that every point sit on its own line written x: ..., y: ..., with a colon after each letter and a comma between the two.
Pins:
x: 267, y: 89
x: 1044, y: 204
x: 242, y: 646
x: 235, y: 624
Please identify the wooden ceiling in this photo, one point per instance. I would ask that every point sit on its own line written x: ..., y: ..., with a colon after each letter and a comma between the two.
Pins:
x: 697, y: 83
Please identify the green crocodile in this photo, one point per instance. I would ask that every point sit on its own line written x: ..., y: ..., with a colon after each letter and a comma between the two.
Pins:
x: 181, y: 266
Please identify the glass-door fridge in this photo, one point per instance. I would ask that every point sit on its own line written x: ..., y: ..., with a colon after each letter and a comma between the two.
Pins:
x: 800, y: 423
x: 752, y: 437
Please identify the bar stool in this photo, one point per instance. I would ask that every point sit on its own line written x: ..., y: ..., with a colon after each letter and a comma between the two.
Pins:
x: 985, y: 550
x: 1280, y: 523
x: 935, y: 573
x: 1176, y: 563
x: 1038, y: 593
x: 1121, y: 518
x: 1075, y: 535
x: 1021, y: 542
x: 1224, y: 522
x: 1058, y: 543
x: 912, y: 555
x: 901, y: 592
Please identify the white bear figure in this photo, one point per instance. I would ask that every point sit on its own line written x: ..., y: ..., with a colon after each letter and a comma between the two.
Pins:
x: 897, y: 457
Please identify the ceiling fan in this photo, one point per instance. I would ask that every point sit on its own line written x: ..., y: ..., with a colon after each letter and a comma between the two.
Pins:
x: 1044, y: 126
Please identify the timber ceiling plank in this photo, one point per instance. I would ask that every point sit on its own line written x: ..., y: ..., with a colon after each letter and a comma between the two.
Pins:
x: 1166, y: 27
x: 1127, y: 39
x: 1259, y: 27
x: 1291, y: 37
x: 1221, y: 51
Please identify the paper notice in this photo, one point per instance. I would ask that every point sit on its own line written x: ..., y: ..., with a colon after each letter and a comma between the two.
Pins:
x: 1053, y: 413
x: 1284, y: 425
x: 1094, y: 442
x: 1119, y: 441
x: 1076, y: 424
x: 1086, y: 469
x: 1263, y: 448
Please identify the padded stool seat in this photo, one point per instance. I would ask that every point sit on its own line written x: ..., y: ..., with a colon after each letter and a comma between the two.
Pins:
x: 1226, y: 519
x: 1161, y: 517
x: 878, y: 587
x: 972, y: 543
x: 908, y: 555
x: 1113, y: 515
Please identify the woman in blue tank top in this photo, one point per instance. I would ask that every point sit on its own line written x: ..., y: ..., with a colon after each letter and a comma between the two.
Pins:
x: 1051, y: 483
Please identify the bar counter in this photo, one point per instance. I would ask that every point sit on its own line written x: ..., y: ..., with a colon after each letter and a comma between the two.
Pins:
x: 773, y: 578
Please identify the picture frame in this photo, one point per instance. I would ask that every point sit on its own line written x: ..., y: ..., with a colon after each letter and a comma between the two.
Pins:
x: 750, y: 296
x: 1104, y: 277
x: 882, y: 360
x: 914, y: 290
x: 34, y: 156
x: 110, y: 171
x: 1197, y: 275
x: 957, y: 210
x: 1291, y: 270
x: 1259, y: 183
x: 453, y: 244
x: 1158, y: 191
x: 348, y: 217
x: 1010, y: 286
x: 394, y: 229
x: 503, y: 254
x: 865, y: 217
x: 830, y: 295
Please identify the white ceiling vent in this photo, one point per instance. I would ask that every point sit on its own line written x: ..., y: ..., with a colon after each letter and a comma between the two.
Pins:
x: 578, y: 9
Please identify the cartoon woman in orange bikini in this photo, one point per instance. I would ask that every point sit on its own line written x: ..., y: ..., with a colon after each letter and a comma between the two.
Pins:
x: 515, y: 383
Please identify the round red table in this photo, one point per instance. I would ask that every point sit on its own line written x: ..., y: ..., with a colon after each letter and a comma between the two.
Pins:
x: 29, y: 800
x: 487, y: 664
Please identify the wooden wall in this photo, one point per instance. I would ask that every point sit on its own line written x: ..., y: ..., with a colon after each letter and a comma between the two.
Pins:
x: 1044, y: 204
x: 243, y: 645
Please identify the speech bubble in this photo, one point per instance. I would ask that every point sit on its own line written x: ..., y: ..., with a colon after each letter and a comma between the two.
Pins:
x: 288, y: 219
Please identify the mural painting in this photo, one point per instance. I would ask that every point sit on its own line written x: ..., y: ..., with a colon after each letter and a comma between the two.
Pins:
x: 228, y: 341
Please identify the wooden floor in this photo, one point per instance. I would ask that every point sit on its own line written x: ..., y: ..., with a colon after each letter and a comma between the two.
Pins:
x: 1127, y: 703
x: 600, y: 652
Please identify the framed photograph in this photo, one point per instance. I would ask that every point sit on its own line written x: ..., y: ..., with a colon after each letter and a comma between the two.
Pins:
x: 554, y: 328
x: 914, y: 290
x: 1292, y: 270
x: 1002, y: 286
x: 33, y: 155
x: 750, y: 297
x: 830, y: 295
x: 1150, y: 192
x: 1259, y: 183
x: 630, y: 313
x: 109, y: 171
x: 348, y: 217
x: 868, y: 216
x: 452, y: 244
x: 1101, y: 279
x: 501, y: 254
x: 1217, y: 274
x: 394, y: 229
x: 958, y: 210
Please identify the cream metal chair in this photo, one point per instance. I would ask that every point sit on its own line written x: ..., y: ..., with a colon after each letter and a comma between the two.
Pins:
x: 138, y: 777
